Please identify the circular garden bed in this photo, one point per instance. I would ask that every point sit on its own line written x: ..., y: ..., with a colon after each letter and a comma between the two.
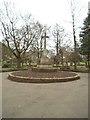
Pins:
x: 33, y: 76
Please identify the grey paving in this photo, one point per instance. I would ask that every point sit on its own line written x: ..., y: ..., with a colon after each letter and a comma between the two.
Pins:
x: 53, y: 100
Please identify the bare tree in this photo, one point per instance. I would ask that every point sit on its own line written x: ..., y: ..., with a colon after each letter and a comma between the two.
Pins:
x: 18, y: 39
x: 38, y: 35
x: 40, y: 31
x: 75, y: 13
x: 59, y: 34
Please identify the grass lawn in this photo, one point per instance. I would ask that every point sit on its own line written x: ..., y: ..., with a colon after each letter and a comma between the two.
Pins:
x: 71, y: 68
x: 11, y: 69
x: 79, y: 69
x: 7, y: 69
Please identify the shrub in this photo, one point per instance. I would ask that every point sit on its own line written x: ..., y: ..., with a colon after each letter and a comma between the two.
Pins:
x: 33, y: 65
x: 6, y: 65
x: 65, y: 67
x: 56, y: 65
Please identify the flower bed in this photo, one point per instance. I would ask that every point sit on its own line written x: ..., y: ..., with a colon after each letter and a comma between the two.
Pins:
x: 43, y: 77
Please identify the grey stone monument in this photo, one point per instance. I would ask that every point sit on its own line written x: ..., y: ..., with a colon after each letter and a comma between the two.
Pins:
x: 44, y: 59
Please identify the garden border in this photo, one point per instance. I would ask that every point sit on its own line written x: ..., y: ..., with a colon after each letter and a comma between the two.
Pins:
x: 41, y: 80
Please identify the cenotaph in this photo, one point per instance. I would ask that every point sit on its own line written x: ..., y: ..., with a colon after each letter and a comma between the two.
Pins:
x: 44, y: 61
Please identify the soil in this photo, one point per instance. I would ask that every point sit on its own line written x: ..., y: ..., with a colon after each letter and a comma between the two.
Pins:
x: 30, y: 73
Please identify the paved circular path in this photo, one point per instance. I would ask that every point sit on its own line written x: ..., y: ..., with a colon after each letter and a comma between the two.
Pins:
x: 52, y: 100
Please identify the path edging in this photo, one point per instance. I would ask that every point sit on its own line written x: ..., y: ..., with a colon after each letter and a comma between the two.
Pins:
x: 41, y: 80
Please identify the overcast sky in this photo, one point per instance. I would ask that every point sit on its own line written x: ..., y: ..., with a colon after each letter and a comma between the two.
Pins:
x: 51, y: 11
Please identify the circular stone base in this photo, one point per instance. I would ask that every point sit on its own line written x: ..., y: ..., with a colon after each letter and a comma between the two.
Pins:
x: 29, y: 76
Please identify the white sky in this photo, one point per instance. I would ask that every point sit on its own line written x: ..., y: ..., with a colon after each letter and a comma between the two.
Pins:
x: 51, y: 11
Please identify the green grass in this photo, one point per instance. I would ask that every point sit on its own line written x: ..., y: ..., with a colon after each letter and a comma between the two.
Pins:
x: 71, y: 68
x: 8, y: 69
x: 11, y: 69
x: 83, y: 63
x: 79, y: 69
x: 56, y: 65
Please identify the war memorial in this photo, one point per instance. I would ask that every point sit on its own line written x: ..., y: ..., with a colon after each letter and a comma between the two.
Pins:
x: 43, y: 72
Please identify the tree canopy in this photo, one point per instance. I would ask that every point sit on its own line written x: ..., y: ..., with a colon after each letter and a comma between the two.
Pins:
x: 85, y: 38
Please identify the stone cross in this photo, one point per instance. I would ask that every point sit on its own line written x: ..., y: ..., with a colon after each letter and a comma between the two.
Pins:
x: 45, y: 36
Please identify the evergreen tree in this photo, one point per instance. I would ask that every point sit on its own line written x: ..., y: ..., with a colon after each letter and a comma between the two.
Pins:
x: 85, y: 39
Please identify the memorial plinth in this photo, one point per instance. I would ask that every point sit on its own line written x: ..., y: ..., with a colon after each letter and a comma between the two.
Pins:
x: 44, y: 59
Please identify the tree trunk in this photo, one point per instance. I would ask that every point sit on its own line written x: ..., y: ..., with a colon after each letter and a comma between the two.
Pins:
x: 75, y: 54
x: 71, y: 64
x: 86, y: 64
x: 18, y: 63
x: 38, y: 57
x: 66, y: 63
x: 88, y: 61
x: 62, y: 58
x: 57, y: 44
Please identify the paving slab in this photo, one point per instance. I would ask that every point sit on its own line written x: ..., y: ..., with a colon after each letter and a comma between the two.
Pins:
x: 45, y: 100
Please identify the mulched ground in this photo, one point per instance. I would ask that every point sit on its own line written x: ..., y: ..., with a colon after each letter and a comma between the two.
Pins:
x: 30, y: 73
